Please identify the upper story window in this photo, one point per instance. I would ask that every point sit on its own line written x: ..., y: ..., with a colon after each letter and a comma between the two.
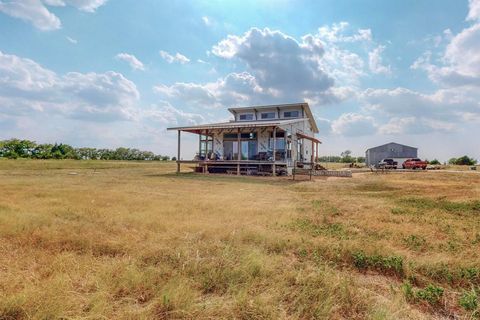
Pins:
x: 291, y: 114
x: 268, y: 115
x: 246, y: 116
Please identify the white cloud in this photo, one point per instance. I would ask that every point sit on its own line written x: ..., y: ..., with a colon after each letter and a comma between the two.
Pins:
x: 410, y: 111
x: 278, y: 68
x: 27, y: 87
x: 413, y: 125
x: 404, y: 102
x: 180, y: 58
x: 165, y: 114
x: 207, y: 21
x: 474, y: 10
x: 84, y: 5
x: 375, y: 61
x: 71, y: 40
x: 354, y: 124
x: 37, y: 13
x: 131, y: 60
x: 336, y: 33
x: 279, y: 63
x: 234, y: 89
x: 32, y: 11
x: 460, y: 63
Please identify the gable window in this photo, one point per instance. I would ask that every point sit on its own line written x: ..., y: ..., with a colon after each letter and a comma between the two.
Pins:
x: 268, y: 115
x: 291, y: 114
x: 246, y: 117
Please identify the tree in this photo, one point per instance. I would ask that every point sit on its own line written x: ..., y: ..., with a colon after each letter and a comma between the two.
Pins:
x: 361, y: 159
x: 346, y: 156
x: 346, y: 153
x: 16, y: 148
x: 42, y: 151
x: 465, y: 161
x: 434, y: 161
x: 63, y: 151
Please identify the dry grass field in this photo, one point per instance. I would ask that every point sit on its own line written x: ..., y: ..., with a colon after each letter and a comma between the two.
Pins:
x: 117, y: 240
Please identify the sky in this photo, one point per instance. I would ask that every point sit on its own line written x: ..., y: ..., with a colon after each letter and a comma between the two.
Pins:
x: 110, y: 73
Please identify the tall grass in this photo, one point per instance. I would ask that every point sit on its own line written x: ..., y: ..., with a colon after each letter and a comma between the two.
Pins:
x: 133, y: 241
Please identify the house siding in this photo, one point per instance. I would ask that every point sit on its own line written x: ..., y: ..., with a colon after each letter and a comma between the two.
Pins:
x: 263, y: 137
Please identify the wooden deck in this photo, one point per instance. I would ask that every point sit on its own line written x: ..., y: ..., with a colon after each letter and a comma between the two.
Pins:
x: 249, y: 167
x: 233, y: 162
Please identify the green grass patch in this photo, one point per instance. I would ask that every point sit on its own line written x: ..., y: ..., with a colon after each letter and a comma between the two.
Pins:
x: 375, y: 187
x: 403, y: 211
x: 469, y: 299
x: 336, y: 230
x: 431, y: 294
x: 426, y: 204
x: 415, y: 243
x: 385, y: 264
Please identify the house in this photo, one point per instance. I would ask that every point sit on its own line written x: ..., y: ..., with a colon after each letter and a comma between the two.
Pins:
x: 264, y: 139
x: 396, y: 151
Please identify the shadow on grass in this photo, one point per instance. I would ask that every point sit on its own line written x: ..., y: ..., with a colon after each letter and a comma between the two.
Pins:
x: 228, y: 178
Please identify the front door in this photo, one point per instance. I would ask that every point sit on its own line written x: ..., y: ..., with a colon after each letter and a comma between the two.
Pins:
x: 249, y: 149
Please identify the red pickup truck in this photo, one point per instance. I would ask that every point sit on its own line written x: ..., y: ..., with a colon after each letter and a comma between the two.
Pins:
x: 414, y: 163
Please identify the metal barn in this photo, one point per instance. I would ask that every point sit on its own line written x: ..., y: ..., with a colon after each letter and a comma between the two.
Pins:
x: 393, y: 150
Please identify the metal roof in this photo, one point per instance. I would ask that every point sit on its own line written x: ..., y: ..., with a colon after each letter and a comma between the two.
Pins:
x: 239, y: 124
x: 386, y: 144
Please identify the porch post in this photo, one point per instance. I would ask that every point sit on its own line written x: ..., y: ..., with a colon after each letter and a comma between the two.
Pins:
x: 205, y: 167
x: 239, y: 153
x: 274, y: 150
x: 312, y: 155
x: 206, y: 144
x: 199, y: 145
x: 178, y: 152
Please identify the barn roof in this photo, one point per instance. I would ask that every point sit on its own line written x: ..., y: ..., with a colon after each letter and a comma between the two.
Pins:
x: 390, y: 143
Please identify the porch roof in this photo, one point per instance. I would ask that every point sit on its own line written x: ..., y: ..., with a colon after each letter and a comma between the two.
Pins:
x: 238, y: 124
x: 304, y: 136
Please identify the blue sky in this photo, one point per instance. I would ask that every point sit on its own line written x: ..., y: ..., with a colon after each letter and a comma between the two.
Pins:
x: 118, y: 73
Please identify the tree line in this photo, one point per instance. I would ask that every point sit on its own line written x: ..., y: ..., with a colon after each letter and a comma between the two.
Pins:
x: 17, y: 148
x: 344, y: 157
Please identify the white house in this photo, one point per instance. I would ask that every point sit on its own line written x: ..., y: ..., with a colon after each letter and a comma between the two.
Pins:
x: 271, y: 139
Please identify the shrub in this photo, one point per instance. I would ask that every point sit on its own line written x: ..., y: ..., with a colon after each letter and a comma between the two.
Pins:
x: 463, y: 161
x: 469, y: 300
x: 414, y: 242
x: 408, y: 292
x: 431, y: 294
x: 384, y: 264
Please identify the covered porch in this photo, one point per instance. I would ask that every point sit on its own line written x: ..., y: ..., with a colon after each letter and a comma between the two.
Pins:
x: 270, y: 147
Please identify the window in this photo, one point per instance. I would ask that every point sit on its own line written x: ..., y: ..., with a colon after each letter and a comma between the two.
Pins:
x: 243, y: 136
x: 279, y: 134
x: 206, y: 144
x: 268, y: 115
x: 230, y: 136
x: 251, y: 135
x: 279, y: 141
x: 248, y: 146
x: 246, y: 117
x: 291, y: 114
